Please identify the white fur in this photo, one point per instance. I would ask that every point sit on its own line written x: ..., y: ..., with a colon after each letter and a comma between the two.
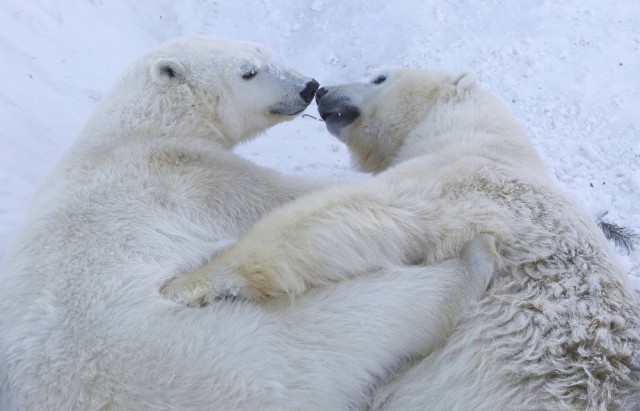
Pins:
x: 560, y: 327
x: 150, y: 190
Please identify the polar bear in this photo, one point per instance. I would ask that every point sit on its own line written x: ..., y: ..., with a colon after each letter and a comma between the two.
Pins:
x: 151, y: 189
x: 560, y: 327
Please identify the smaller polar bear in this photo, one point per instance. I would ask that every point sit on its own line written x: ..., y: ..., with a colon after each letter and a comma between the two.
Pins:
x: 560, y: 328
x: 151, y: 189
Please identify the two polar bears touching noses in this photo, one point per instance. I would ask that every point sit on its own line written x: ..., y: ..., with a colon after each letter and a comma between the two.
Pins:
x: 457, y: 277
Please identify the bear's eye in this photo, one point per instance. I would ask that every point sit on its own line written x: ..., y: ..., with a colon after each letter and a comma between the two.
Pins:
x: 249, y: 74
x: 379, y: 80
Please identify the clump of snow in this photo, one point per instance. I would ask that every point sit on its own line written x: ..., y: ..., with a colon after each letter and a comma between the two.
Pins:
x: 568, y: 70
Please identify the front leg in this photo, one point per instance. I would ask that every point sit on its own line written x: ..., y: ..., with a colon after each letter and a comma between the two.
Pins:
x: 329, y: 236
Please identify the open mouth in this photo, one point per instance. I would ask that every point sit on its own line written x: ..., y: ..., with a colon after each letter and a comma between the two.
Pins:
x: 338, y: 117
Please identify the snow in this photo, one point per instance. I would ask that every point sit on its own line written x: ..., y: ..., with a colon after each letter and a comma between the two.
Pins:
x: 567, y: 70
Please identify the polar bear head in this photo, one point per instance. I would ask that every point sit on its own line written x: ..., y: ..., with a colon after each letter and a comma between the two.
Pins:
x: 375, y: 118
x: 231, y: 90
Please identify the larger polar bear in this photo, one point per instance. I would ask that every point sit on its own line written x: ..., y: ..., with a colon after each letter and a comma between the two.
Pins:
x: 149, y: 190
x: 560, y: 328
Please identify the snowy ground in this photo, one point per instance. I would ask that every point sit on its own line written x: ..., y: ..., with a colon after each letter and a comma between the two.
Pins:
x: 568, y: 70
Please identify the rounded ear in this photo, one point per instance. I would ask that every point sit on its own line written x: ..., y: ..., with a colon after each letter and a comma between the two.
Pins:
x: 168, y: 71
x: 466, y: 79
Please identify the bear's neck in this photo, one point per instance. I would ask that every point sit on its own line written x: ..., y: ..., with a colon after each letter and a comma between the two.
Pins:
x: 479, y: 123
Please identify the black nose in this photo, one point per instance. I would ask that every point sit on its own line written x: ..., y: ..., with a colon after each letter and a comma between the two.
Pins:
x: 309, y: 91
x: 321, y: 92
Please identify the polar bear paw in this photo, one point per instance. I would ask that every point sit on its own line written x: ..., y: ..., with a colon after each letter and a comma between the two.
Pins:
x: 481, y: 256
x: 206, y: 285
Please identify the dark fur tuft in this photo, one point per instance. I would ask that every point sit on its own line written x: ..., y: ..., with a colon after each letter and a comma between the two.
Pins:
x: 620, y: 235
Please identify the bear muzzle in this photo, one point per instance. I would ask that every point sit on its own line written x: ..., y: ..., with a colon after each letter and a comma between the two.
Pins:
x: 309, y: 91
x: 296, y: 106
x: 337, y: 111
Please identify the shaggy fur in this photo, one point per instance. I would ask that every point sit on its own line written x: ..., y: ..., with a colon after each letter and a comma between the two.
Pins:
x: 149, y: 190
x: 560, y: 327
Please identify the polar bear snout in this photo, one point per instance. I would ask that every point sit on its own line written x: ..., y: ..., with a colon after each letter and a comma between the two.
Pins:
x: 337, y: 111
x: 309, y: 91
x: 320, y: 93
x: 295, y: 104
